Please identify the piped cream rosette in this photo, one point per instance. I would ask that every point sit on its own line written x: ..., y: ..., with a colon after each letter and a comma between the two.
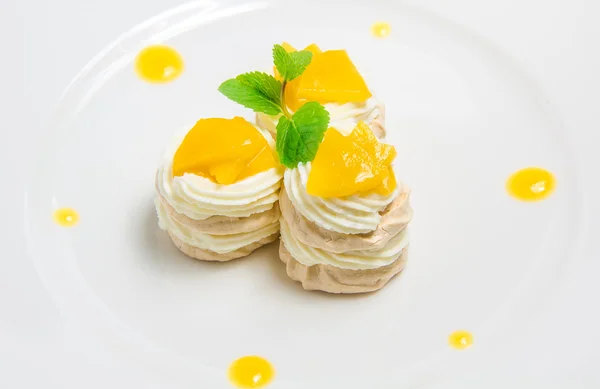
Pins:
x: 343, y: 117
x: 351, y: 243
x: 218, y: 189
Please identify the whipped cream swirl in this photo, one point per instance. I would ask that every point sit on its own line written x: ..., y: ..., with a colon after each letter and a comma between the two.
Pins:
x: 219, y: 244
x: 199, y: 198
x: 355, y: 260
x: 343, y: 117
x: 348, y: 215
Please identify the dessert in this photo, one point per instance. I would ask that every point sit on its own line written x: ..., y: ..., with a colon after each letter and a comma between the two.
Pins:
x: 343, y: 213
x: 344, y: 216
x: 332, y: 80
x: 218, y: 188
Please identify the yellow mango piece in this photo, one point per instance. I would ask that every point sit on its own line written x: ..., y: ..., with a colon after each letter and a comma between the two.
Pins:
x: 347, y: 165
x: 313, y: 48
x: 291, y: 95
x: 223, y: 150
x: 388, y: 183
x: 291, y: 90
x: 226, y: 173
x: 332, y: 77
x: 381, y: 152
x: 289, y: 48
x: 262, y: 162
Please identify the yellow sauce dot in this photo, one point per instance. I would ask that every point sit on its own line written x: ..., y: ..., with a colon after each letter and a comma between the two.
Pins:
x: 531, y: 184
x: 66, y: 217
x: 460, y: 340
x: 159, y: 64
x: 251, y: 372
x: 381, y: 29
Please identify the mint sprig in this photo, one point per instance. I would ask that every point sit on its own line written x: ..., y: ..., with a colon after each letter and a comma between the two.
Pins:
x: 298, y: 138
x: 290, y: 65
x: 258, y: 91
x: 298, y: 135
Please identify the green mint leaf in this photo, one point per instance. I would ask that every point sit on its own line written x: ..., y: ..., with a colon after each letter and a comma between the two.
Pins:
x: 287, y: 143
x: 300, y: 60
x: 312, y: 120
x: 257, y: 91
x: 290, y: 65
x: 264, y: 83
x: 298, y: 139
x: 281, y: 59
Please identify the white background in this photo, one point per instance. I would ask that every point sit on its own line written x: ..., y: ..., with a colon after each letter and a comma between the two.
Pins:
x: 44, y: 44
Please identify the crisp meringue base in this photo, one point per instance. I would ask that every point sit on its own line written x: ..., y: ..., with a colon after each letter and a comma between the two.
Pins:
x: 333, y: 279
x: 225, y: 225
x: 207, y: 255
x: 222, y: 226
x: 394, y: 218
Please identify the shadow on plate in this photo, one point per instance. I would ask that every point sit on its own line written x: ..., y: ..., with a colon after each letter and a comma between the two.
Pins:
x: 163, y: 256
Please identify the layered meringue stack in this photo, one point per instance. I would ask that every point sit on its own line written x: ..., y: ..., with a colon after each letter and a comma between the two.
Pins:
x: 341, y: 213
x: 344, y: 220
x: 217, y: 190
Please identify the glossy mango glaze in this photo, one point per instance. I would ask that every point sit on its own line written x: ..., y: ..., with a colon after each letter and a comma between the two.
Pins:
x: 331, y: 77
x: 353, y: 164
x: 224, y: 151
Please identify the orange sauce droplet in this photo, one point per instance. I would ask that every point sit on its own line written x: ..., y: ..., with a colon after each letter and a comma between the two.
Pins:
x: 381, y: 29
x: 158, y: 64
x: 66, y: 217
x: 460, y: 340
x: 251, y: 372
x: 531, y: 184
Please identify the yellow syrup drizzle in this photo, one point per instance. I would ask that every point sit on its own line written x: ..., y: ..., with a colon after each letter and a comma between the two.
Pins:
x: 460, y: 340
x: 251, y: 372
x: 531, y: 184
x: 158, y: 64
x: 66, y: 217
x: 381, y: 29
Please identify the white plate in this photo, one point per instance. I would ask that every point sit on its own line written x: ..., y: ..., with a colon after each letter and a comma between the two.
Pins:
x: 469, y: 101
